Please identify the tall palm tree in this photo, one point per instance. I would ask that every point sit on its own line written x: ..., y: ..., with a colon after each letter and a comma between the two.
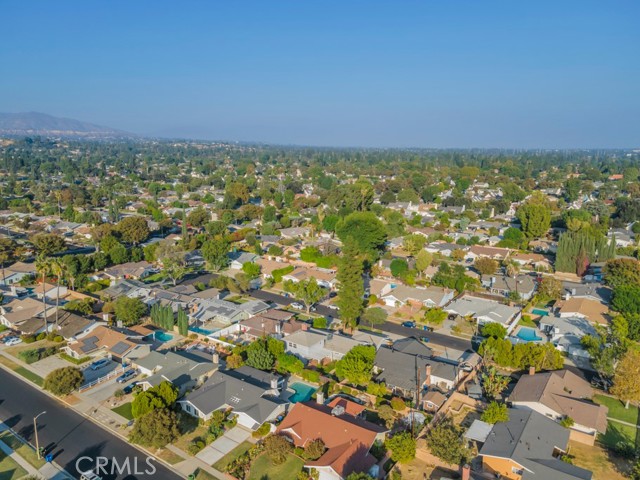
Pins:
x: 43, y: 267
x: 59, y: 269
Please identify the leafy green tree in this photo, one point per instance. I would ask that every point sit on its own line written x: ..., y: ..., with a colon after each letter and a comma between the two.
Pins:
x: 626, y: 299
x: 414, y: 243
x: 423, y: 261
x: 435, y: 316
x: 309, y: 292
x: 365, y: 231
x: 374, y: 316
x: 495, y: 413
x: 133, y: 229
x: 155, y: 429
x: 198, y: 217
x: 252, y: 270
x: 48, y: 243
x: 173, y: 259
x: 445, y: 442
x: 399, y: 267
x: 183, y: 322
x: 535, y: 216
x: 259, y: 357
x: 356, y: 366
x: 493, y: 384
x: 493, y: 329
x: 550, y: 287
x: 351, y: 285
x: 287, y: 363
x: 486, y: 266
x: 277, y: 448
x: 314, y: 449
x: 129, y: 310
x: 626, y: 380
x: 215, y: 253
x: 63, y: 381
x: 622, y: 271
x: 402, y: 446
x: 163, y: 395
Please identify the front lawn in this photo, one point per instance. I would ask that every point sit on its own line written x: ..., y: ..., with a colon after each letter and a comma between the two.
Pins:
x: 170, y: 457
x: 28, y: 374
x: 617, y: 410
x: 616, y: 433
x: 232, y: 455
x: 9, y: 469
x: 263, y: 469
x: 124, y: 410
x: 22, y: 449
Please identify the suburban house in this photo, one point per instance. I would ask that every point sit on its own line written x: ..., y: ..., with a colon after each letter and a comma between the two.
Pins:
x: 50, y: 291
x: 503, y: 285
x: 495, y: 253
x: 238, y: 259
x: 17, y: 272
x: 124, y: 288
x: 130, y: 270
x: 252, y: 395
x: 484, y: 311
x: 325, y: 277
x: 185, y: 370
x: 566, y: 333
x: 593, y: 291
x: 19, y: 310
x: 72, y: 326
x: 558, y: 395
x: 429, y: 297
x: 295, y: 232
x: 583, y: 307
x: 316, y: 345
x: 347, y: 438
x: 105, y: 341
x: 408, y: 366
x: 222, y: 313
x: 263, y: 324
x: 529, y: 446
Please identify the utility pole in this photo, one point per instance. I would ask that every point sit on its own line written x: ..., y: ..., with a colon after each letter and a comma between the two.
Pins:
x: 35, y: 429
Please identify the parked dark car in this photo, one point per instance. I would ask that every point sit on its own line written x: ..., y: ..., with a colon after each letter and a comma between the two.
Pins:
x: 126, y: 376
x: 409, y: 324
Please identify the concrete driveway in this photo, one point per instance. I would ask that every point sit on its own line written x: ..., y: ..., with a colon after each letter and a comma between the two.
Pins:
x: 223, y: 445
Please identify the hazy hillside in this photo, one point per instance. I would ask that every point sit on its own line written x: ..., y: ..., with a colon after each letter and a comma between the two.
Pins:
x: 34, y: 123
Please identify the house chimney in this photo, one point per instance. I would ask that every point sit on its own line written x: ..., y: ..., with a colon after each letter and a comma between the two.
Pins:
x: 274, y: 383
x: 320, y: 398
x: 215, y: 357
x: 427, y: 371
x: 466, y: 472
x: 532, y: 370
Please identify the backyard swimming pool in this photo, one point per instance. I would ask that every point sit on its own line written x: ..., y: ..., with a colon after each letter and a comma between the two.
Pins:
x: 528, y: 335
x: 162, y: 337
x: 303, y: 392
x: 539, y: 311
x: 201, y: 331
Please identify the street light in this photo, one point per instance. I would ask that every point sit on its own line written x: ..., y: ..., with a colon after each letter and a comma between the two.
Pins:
x: 35, y: 428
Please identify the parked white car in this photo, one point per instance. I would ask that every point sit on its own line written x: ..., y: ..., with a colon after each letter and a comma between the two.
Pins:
x: 9, y: 342
x: 297, y: 306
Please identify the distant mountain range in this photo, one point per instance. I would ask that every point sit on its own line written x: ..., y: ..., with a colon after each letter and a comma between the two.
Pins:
x: 34, y: 123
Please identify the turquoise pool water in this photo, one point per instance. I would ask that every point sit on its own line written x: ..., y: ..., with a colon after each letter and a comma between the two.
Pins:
x: 540, y: 312
x: 163, y: 337
x: 201, y: 331
x: 303, y: 392
x: 528, y: 335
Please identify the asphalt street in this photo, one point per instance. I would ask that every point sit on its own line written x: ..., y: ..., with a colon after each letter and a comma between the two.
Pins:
x: 69, y: 436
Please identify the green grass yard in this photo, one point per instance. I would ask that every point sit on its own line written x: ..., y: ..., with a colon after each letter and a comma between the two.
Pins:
x: 124, y: 410
x: 9, y: 469
x: 231, y: 456
x: 28, y: 374
x: 617, y: 410
x: 616, y: 433
x: 22, y: 449
x: 263, y: 469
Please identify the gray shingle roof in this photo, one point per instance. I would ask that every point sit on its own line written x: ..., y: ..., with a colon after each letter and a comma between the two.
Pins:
x: 529, y: 439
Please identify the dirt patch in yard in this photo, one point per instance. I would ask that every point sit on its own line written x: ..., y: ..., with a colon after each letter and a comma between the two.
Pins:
x: 601, y: 462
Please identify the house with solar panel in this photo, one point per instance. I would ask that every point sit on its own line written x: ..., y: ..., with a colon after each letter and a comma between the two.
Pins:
x: 107, y: 342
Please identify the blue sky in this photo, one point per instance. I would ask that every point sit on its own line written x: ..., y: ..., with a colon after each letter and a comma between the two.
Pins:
x: 445, y: 73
